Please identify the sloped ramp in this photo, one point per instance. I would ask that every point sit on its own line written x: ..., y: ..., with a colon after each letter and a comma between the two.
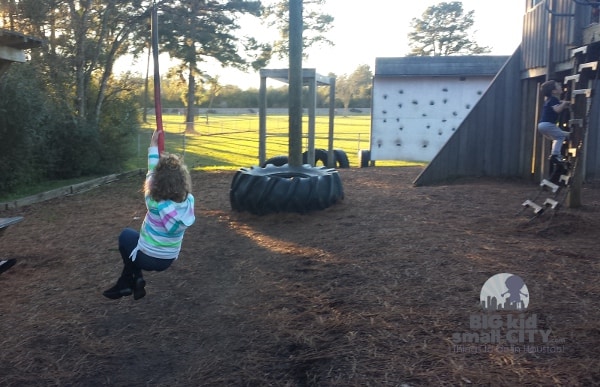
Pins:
x: 490, y: 140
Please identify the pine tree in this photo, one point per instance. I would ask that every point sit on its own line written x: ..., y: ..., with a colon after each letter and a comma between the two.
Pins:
x: 443, y: 30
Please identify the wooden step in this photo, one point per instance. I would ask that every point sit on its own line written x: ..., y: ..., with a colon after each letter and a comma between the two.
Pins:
x: 569, y: 78
x: 547, y: 183
x: 576, y: 122
x: 588, y: 66
x: 572, y: 152
x: 551, y: 203
x: 537, y: 209
x: 586, y: 92
x: 579, y: 50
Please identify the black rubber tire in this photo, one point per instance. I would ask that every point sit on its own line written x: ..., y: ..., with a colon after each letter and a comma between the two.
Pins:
x: 320, y: 155
x: 364, y: 157
x: 277, y: 160
x: 341, y: 159
x: 285, y: 189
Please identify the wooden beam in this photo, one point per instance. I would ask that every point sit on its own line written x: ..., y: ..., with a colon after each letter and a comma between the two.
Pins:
x: 12, y: 54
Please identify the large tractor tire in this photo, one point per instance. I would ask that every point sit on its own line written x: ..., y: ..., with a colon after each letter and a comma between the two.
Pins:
x: 285, y: 189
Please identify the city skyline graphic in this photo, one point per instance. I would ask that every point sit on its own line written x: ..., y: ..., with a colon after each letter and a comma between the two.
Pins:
x: 504, y: 291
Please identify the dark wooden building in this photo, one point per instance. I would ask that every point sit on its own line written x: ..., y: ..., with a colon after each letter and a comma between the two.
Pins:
x: 12, y: 46
x: 561, y: 41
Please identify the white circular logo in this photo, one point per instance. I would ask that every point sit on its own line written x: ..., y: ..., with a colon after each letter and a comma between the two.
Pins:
x: 504, y: 291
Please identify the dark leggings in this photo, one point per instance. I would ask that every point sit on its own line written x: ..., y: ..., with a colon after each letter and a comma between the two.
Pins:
x: 128, y: 241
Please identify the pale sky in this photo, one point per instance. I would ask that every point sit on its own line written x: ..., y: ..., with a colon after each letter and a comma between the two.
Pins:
x: 365, y: 30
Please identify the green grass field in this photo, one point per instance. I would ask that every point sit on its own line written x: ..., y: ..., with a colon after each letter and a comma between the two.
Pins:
x: 231, y: 142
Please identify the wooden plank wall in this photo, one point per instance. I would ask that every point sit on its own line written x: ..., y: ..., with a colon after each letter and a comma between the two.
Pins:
x: 489, y: 140
x: 499, y: 137
x: 534, y: 42
x: 535, y: 148
x: 568, y: 20
x: 592, y: 157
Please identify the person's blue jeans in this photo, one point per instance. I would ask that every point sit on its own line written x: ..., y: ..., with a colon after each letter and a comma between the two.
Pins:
x: 128, y: 240
x: 554, y: 133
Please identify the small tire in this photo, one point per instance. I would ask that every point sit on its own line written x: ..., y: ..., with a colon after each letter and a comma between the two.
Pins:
x: 320, y: 155
x: 285, y: 189
x: 364, y: 157
x: 277, y: 161
x: 341, y: 159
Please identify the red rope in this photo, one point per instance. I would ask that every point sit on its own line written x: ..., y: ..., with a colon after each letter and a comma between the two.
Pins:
x: 157, y: 102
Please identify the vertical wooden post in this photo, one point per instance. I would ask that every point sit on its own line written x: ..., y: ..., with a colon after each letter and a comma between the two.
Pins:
x: 574, y: 196
x: 295, y: 86
x: 330, y: 157
x: 312, y: 101
x: 262, y: 120
x: 579, y: 109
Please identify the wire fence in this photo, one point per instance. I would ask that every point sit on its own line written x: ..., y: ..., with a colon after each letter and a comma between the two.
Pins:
x: 240, y: 133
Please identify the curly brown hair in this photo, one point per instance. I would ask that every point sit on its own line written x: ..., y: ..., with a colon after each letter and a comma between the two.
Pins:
x: 171, y: 180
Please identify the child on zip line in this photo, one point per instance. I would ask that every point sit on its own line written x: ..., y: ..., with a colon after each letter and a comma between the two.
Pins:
x: 170, y: 211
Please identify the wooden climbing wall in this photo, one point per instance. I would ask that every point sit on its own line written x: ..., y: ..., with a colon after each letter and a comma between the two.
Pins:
x: 413, y: 117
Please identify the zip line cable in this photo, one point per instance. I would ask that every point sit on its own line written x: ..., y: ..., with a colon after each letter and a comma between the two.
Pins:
x: 157, y: 101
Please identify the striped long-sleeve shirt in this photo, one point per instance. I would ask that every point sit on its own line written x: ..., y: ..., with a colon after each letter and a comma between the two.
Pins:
x: 165, y: 222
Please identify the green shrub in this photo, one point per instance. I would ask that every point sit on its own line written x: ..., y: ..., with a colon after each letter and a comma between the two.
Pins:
x: 42, y: 138
x: 23, y: 117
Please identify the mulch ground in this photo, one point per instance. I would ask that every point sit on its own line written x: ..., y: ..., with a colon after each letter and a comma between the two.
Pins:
x: 370, y: 291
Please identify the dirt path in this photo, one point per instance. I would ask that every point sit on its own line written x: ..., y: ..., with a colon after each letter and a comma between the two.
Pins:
x: 367, y: 292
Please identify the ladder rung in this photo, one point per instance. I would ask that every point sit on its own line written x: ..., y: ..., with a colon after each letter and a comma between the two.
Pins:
x: 576, y: 122
x: 579, y: 50
x: 537, y: 209
x: 586, y: 92
x: 589, y: 65
x: 551, y: 203
x: 549, y: 184
x: 564, y: 179
x: 569, y: 78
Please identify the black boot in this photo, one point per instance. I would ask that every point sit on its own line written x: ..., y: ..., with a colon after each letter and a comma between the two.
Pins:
x: 558, y: 167
x: 122, y: 288
x: 5, y: 265
x: 139, y: 285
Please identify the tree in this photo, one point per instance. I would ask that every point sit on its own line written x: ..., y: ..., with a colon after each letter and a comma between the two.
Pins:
x: 84, y: 40
x: 315, y: 25
x: 213, y: 91
x: 172, y: 89
x: 91, y: 116
x: 195, y: 31
x: 443, y: 30
x: 356, y: 85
